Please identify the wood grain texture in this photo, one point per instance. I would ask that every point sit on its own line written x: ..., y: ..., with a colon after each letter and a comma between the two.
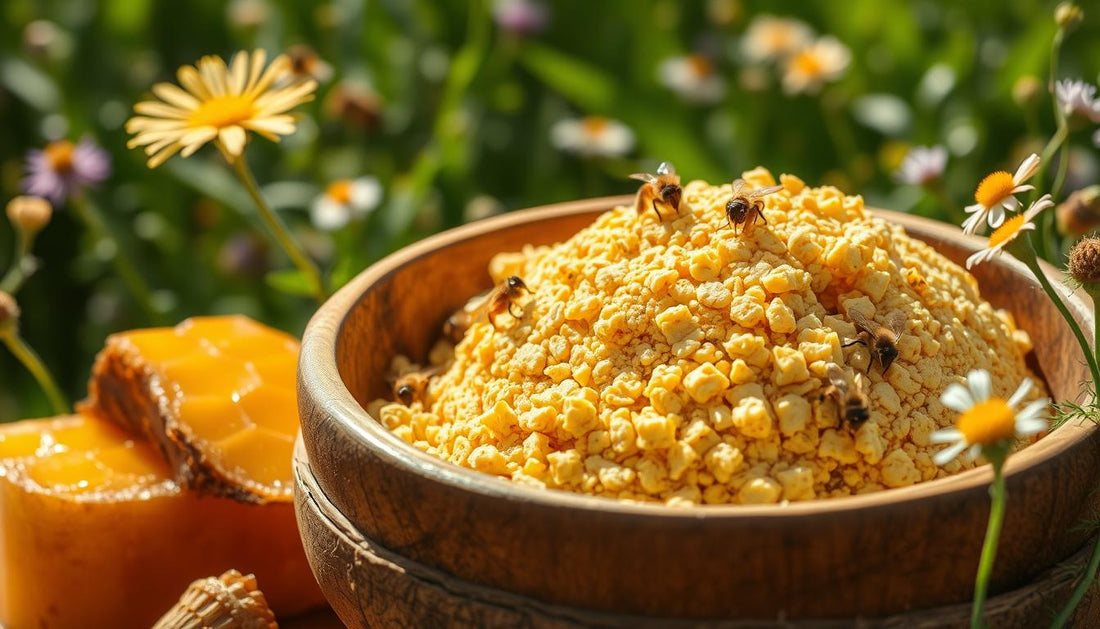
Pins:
x: 370, y: 586
x: 869, y: 556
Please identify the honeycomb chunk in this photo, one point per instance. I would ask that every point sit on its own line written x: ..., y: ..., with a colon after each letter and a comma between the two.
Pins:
x: 217, y: 397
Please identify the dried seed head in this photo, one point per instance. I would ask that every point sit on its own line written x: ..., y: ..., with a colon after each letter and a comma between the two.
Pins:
x: 9, y: 313
x: 29, y: 214
x: 1084, y: 260
x: 1080, y: 212
x: 1068, y: 15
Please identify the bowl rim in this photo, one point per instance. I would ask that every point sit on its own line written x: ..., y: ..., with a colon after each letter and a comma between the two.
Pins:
x: 318, y: 372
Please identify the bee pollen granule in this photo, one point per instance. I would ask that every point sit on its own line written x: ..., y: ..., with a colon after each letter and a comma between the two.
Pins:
x: 683, y: 362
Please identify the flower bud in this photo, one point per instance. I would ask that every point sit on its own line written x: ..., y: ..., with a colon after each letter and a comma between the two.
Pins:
x: 29, y: 214
x: 1080, y: 212
x: 9, y: 313
x: 1068, y: 15
x: 1084, y: 260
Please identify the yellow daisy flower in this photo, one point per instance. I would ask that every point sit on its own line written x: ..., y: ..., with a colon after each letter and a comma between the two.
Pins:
x: 1009, y: 230
x: 219, y: 103
x: 997, y: 193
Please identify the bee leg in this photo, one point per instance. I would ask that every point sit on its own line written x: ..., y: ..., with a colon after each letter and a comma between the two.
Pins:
x: 491, y: 322
x: 659, y: 215
x: 855, y: 342
x: 511, y: 312
x: 760, y: 213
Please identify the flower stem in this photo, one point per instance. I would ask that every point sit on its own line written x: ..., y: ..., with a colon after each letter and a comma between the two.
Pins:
x: 279, y: 232
x: 22, y: 266
x: 34, y: 364
x: 1045, y: 223
x: 989, y: 547
x: 89, y: 214
x: 1083, y: 586
x: 1023, y: 251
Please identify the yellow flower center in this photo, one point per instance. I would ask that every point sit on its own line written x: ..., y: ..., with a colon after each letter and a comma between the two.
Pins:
x: 987, y: 422
x: 221, y: 111
x: 807, y: 63
x: 339, y: 191
x: 594, y: 125
x: 1007, y: 231
x: 994, y: 189
x: 700, y: 66
x: 59, y: 155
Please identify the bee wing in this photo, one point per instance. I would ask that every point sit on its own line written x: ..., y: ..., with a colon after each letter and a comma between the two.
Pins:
x: 666, y: 168
x: 738, y: 186
x: 895, y: 322
x: 646, y: 177
x: 857, y: 383
x: 763, y: 192
x: 837, y: 377
x: 862, y: 322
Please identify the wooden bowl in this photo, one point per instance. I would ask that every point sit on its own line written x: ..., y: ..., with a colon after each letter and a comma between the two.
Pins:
x: 871, y: 556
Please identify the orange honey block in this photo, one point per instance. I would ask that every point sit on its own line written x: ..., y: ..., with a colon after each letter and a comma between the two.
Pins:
x: 216, y: 394
x: 94, y: 531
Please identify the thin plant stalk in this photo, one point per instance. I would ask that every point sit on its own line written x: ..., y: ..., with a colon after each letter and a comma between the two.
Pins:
x: 1089, y: 577
x: 1044, y: 226
x: 21, y: 266
x: 1045, y: 223
x: 26, y: 355
x: 279, y: 231
x: 1023, y: 251
x: 989, y: 547
x: 89, y: 214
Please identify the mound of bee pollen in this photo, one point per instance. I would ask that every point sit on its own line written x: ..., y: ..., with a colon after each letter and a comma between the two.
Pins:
x: 679, y: 361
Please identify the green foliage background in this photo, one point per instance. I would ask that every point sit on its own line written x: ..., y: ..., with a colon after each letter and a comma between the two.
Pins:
x: 466, y: 110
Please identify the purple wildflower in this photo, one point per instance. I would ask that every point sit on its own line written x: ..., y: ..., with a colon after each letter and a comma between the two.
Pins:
x: 922, y: 165
x: 63, y: 168
x: 521, y: 17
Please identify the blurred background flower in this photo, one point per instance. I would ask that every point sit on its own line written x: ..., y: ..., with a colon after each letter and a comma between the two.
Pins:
x: 592, y: 136
x: 461, y: 110
x: 343, y: 201
x: 63, y: 168
x: 693, y: 78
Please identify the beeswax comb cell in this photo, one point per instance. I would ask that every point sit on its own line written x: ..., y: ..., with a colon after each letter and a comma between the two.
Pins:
x: 94, y: 531
x: 217, y: 396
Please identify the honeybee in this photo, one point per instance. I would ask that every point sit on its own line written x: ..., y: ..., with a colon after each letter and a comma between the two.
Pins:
x: 663, y: 187
x: 502, y: 297
x: 454, y: 328
x: 880, y: 339
x: 846, y: 390
x: 744, y: 208
x: 411, y: 386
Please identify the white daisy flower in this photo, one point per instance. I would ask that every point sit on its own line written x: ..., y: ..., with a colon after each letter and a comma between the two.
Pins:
x: 771, y: 38
x: 343, y: 201
x: 815, y: 65
x: 692, y: 78
x: 984, y: 419
x: 1077, y: 97
x: 592, y: 136
x: 1007, y: 232
x: 922, y: 164
x: 996, y: 193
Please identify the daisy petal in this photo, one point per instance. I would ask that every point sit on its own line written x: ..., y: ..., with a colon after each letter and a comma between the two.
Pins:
x: 947, y: 454
x: 981, y: 385
x: 1027, y: 427
x: 957, y: 398
x: 945, y: 435
x: 1021, y: 392
x: 1027, y: 169
x: 1035, y: 410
